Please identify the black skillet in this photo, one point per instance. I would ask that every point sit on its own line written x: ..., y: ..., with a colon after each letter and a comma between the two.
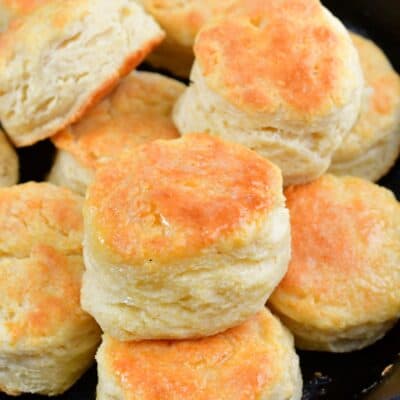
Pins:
x: 371, y: 374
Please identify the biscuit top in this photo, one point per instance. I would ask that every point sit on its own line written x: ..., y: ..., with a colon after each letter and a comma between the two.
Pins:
x: 345, y: 253
x: 241, y: 363
x: 169, y: 200
x: 138, y: 111
x: 40, y: 263
x: 182, y: 20
x: 380, y: 113
x: 266, y: 55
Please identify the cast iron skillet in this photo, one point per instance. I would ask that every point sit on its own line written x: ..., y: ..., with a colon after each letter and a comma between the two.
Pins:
x: 372, y: 374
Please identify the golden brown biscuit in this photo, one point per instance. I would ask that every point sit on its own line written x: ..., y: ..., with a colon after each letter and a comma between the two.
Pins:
x: 255, y: 360
x: 47, y: 341
x: 372, y: 146
x: 181, y: 22
x: 183, y: 238
x: 9, y: 164
x: 281, y: 77
x: 10, y: 9
x: 64, y: 57
x: 341, y: 292
x: 137, y: 111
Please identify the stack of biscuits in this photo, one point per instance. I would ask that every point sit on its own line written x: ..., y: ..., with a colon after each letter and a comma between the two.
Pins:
x: 191, y: 236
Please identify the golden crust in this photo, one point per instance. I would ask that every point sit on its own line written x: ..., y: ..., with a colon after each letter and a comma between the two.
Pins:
x: 103, y: 90
x: 126, y: 118
x: 266, y: 55
x: 10, y: 9
x: 380, y: 113
x: 44, y: 43
x: 22, y: 6
x: 244, y: 362
x: 41, y: 262
x: 171, y: 199
x: 183, y: 20
x: 39, y: 213
x: 42, y: 295
x: 345, y: 267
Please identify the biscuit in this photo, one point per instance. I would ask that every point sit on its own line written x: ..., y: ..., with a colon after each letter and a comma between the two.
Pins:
x: 372, y: 146
x: 9, y: 164
x: 255, y: 360
x: 11, y: 9
x: 47, y: 340
x: 341, y: 292
x: 183, y: 238
x: 64, y: 57
x: 181, y: 22
x: 281, y: 77
x: 126, y: 118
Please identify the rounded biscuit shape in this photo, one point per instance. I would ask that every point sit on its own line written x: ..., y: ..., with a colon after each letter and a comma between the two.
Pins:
x: 64, y: 57
x: 125, y: 119
x: 373, y: 144
x: 281, y: 77
x: 341, y: 290
x: 255, y: 360
x: 47, y: 340
x: 183, y: 238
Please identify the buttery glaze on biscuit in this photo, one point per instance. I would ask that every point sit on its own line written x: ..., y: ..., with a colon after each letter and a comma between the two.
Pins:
x: 47, y: 340
x: 273, y: 53
x: 183, y: 239
x: 179, y: 197
x: 340, y: 290
x: 252, y: 361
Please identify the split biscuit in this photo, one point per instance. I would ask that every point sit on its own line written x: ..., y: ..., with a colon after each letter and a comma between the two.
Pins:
x: 64, y: 57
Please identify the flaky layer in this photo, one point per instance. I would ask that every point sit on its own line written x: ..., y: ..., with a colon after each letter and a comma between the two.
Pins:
x: 354, y: 338
x: 49, y: 76
x: 68, y: 172
x: 255, y: 360
x: 50, y: 369
x: 374, y: 163
x: 302, y: 149
x: 379, y: 118
x: 194, y: 297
